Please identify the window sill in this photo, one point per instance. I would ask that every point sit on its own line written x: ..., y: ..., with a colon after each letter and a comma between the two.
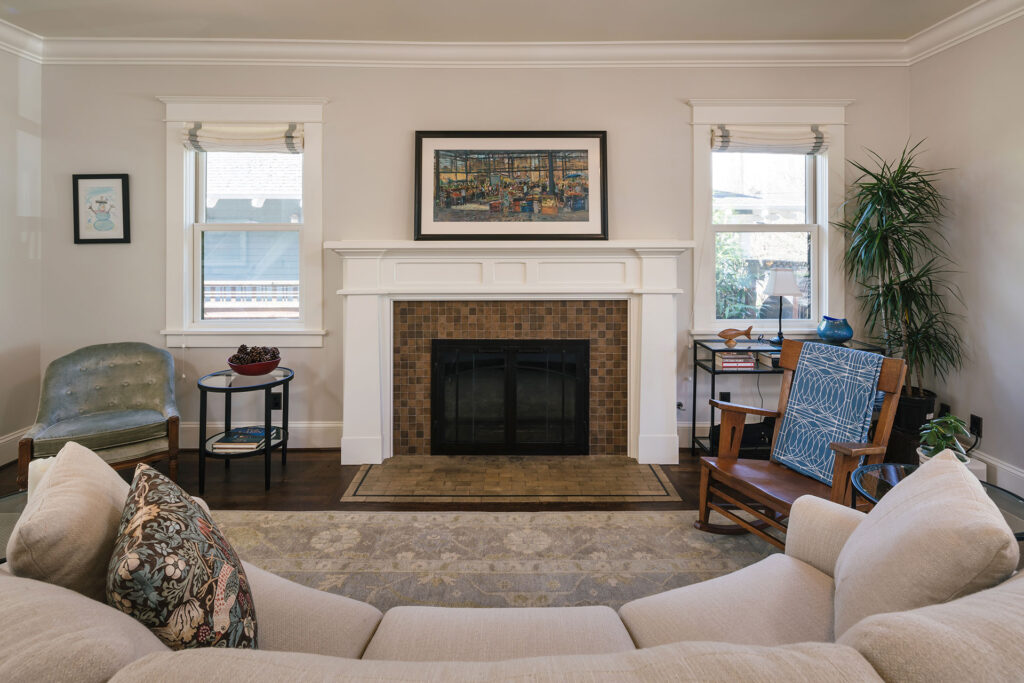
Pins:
x: 231, y: 338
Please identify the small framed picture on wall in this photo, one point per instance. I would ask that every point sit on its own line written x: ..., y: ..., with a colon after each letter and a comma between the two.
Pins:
x: 101, y: 208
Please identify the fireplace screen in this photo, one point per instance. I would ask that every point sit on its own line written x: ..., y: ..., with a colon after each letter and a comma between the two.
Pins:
x: 510, y: 397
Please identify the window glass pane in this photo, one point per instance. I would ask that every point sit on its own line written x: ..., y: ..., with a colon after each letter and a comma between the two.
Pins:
x: 250, y: 274
x: 758, y: 188
x: 244, y: 187
x: 742, y: 262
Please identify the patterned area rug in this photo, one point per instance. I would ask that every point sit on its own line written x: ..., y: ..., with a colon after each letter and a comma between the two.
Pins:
x: 484, y: 559
x: 510, y: 479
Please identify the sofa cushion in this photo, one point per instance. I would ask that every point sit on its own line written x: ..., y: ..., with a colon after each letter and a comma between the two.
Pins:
x: 490, y: 634
x: 175, y: 572
x: 975, y: 638
x: 295, y: 618
x: 775, y: 601
x: 66, y: 533
x: 687, y: 662
x: 934, y: 537
x: 53, y: 634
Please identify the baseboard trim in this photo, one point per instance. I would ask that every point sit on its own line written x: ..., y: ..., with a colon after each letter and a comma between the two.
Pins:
x: 9, y: 445
x: 1002, y: 473
x: 684, y: 430
x: 300, y: 434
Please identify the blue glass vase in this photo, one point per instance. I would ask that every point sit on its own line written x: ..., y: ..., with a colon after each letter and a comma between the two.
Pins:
x: 834, y: 330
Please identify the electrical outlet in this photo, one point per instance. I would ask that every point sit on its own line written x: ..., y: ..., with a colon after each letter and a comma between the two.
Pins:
x: 275, y: 401
x: 976, y: 425
x: 725, y: 396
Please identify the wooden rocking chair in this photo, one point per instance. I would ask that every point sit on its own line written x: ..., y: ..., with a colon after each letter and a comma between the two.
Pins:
x: 765, y: 489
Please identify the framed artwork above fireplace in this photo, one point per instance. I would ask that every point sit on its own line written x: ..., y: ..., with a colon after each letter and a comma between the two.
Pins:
x: 511, y: 185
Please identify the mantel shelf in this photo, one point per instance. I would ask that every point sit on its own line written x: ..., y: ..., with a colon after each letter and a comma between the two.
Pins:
x: 377, y: 248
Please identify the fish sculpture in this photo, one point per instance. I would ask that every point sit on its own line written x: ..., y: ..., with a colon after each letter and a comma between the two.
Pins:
x: 730, y: 334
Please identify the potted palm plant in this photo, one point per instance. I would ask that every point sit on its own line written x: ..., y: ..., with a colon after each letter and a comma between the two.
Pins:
x: 897, y: 257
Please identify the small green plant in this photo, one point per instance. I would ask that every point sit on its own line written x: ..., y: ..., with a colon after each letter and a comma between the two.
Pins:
x: 944, y: 432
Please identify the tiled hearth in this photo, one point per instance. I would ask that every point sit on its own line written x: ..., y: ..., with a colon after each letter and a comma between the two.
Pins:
x: 545, y: 288
x: 603, y: 322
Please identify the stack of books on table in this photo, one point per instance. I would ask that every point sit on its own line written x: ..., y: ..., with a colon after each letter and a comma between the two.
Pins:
x: 731, y: 360
x: 241, y: 439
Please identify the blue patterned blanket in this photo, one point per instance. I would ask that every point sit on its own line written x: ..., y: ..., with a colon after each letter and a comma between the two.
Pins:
x: 831, y: 399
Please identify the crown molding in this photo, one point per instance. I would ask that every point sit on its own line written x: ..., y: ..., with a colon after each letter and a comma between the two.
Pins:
x: 20, y: 42
x: 473, y: 55
x: 971, y: 21
x: 966, y: 24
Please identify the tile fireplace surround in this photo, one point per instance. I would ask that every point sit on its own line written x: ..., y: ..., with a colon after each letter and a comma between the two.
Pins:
x: 376, y: 275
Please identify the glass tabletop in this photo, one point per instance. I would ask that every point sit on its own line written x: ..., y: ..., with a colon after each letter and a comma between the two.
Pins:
x: 227, y: 380
x: 874, y: 481
x: 716, y: 344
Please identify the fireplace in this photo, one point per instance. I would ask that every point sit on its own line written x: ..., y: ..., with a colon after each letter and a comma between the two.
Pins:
x: 510, y: 397
x: 399, y: 295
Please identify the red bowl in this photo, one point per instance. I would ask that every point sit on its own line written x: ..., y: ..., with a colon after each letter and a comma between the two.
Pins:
x: 253, y: 369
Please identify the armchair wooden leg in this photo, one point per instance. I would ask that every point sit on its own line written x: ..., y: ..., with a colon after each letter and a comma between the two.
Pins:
x: 24, y: 457
x: 703, y: 512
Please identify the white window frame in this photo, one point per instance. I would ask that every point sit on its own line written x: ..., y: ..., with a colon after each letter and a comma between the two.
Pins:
x: 184, y: 324
x: 828, y: 292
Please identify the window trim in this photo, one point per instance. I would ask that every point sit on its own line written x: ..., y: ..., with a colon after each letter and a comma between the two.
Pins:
x: 828, y: 279
x: 182, y: 328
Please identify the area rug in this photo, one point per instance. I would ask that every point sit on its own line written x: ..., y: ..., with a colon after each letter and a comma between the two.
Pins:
x: 510, y: 479
x: 484, y: 559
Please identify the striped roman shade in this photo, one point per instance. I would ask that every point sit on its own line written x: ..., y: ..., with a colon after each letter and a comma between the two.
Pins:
x: 771, y: 139
x: 280, y: 138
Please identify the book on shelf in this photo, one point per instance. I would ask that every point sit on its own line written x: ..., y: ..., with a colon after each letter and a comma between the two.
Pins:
x: 735, y: 361
x: 768, y: 359
x: 243, y: 439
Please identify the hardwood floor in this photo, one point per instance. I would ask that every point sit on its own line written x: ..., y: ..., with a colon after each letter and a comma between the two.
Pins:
x: 316, y: 480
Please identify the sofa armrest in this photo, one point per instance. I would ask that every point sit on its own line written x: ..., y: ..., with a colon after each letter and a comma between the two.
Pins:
x: 818, y: 530
x: 294, y: 618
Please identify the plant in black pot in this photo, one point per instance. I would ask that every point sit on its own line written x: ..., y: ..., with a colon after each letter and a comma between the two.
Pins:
x: 897, y: 256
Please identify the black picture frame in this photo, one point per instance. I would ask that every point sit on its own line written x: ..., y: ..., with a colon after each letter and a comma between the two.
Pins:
x: 100, y: 199
x: 510, y: 226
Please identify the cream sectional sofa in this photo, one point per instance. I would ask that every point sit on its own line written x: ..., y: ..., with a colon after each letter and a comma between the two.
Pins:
x: 915, y: 591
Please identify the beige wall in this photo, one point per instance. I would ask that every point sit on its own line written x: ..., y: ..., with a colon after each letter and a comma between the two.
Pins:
x: 967, y: 102
x: 20, y: 298
x: 107, y: 119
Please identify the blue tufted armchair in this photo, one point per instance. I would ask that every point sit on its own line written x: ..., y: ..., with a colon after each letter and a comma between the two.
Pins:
x: 116, y: 399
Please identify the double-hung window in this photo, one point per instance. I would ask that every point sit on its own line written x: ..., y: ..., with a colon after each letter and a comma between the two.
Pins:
x: 244, y: 223
x: 767, y: 178
x: 762, y: 213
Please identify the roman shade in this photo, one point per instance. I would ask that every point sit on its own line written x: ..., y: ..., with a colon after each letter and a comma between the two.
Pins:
x: 279, y: 138
x: 806, y: 139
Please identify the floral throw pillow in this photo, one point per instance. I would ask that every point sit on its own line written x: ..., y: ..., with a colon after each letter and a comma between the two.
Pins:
x: 173, y: 571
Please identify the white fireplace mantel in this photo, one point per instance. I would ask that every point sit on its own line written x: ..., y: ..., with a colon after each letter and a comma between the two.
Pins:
x: 377, y: 273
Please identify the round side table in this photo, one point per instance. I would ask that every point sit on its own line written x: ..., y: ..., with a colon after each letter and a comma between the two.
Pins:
x: 228, y: 382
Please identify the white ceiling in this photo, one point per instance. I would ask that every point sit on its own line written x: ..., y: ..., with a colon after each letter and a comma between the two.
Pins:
x: 482, y: 20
